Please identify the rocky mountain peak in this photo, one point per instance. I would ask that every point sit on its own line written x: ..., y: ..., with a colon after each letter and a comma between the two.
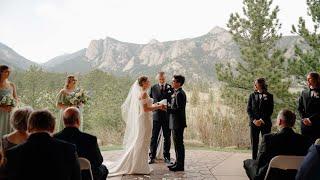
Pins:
x: 153, y: 41
x: 217, y: 30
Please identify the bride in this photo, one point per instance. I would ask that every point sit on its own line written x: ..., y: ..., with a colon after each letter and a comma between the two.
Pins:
x: 136, y: 112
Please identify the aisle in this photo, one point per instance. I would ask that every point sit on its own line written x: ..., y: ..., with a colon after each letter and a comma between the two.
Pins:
x: 200, y: 164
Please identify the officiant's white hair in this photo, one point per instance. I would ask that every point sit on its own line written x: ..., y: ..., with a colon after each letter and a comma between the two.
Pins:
x: 160, y: 73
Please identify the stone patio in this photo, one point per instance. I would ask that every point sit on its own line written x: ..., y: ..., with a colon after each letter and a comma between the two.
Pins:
x: 200, y: 164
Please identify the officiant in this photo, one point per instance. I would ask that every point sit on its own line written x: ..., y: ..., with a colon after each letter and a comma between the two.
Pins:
x: 160, y: 92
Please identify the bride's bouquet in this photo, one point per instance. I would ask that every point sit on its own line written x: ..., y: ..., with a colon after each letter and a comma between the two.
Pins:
x: 78, y: 96
x: 8, y: 101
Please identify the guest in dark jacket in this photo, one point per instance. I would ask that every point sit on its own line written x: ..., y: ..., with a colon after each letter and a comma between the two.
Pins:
x: 41, y: 156
x: 285, y: 142
x: 260, y: 109
x: 309, y: 103
x: 86, y: 144
x: 310, y: 167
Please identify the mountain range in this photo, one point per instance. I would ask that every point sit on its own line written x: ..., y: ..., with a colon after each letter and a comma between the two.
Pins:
x: 193, y: 57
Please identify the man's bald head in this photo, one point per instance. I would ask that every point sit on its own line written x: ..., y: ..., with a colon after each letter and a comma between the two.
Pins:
x: 71, y: 117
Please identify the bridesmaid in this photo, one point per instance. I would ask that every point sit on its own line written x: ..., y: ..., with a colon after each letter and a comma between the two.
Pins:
x: 7, y: 88
x: 63, y: 102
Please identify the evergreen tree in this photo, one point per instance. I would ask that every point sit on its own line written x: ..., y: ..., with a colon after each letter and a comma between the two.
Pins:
x: 308, y: 59
x: 256, y: 34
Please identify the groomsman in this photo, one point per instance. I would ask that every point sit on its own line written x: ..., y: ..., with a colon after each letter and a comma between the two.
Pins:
x: 159, y: 92
x: 177, y: 121
x: 260, y: 109
x: 309, y: 103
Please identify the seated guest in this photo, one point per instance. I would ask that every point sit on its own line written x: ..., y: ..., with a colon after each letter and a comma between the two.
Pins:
x: 19, y: 120
x: 285, y: 142
x: 41, y: 156
x: 310, y: 167
x: 86, y: 144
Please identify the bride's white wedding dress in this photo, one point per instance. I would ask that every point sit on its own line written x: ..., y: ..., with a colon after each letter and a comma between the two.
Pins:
x: 137, y: 136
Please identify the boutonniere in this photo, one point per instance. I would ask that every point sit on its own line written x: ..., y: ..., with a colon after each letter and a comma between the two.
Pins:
x: 315, y: 94
x: 264, y: 96
x: 169, y: 91
x: 173, y: 95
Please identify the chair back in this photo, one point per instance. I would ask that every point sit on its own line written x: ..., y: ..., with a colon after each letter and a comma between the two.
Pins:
x: 85, y: 165
x: 285, y: 163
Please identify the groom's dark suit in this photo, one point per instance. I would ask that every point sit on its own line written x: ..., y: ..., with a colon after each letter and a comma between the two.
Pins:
x: 160, y: 120
x: 177, y: 123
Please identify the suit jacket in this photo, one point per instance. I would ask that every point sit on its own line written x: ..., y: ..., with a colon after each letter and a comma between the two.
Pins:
x: 310, y: 167
x: 285, y: 142
x: 260, y: 108
x: 308, y: 107
x: 157, y: 95
x: 43, y: 157
x: 177, y: 110
x: 86, y: 144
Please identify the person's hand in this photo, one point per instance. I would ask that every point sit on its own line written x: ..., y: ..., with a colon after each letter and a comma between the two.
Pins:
x: 307, y: 122
x: 162, y: 107
x: 262, y: 122
x: 6, y: 108
x: 257, y: 123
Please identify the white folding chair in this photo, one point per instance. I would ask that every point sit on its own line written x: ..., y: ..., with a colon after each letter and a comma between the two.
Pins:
x: 285, y: 163
x: 85, y: 165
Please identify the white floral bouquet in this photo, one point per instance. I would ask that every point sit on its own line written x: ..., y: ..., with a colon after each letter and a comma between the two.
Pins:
x: 78, y: 96
x: 8, y: 101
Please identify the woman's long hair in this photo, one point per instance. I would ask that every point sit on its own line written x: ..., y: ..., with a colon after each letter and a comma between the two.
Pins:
x: 316, y: 77
x: 69, y: 79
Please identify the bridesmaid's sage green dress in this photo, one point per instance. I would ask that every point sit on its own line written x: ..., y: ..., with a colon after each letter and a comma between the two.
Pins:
x: 5, y: 127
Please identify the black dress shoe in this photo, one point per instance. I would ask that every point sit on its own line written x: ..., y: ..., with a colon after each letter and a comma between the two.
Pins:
x: 176, y: 168
x: 167, y: 160
x: 151, y: 161
x: 171, y: 164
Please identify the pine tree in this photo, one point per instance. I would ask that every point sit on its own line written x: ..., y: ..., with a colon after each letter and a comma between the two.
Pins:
x: 307, y: 59
x: 256, y: 34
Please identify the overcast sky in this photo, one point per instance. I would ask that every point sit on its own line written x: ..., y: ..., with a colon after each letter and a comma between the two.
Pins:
x: 42, y: 29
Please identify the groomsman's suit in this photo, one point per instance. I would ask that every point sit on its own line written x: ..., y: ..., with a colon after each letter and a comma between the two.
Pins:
x: 309, y: 107
x: 260, y: 106
x: 177, y: 123
x: 160, y: 120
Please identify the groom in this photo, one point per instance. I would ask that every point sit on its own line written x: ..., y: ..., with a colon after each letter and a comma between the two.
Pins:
x: 158, y: 92
x: 177, y: 121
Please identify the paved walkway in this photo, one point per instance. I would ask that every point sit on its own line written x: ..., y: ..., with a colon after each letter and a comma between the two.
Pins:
x: 200, y: 164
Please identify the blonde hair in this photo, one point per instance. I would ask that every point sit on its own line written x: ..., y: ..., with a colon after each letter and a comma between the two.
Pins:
x: 19, y: 118
x: 161, y: 73
x: 68, y: 81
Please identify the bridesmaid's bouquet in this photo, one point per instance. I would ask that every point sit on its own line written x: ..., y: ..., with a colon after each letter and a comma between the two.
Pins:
x: 8, y: 101
x: 78, y: 96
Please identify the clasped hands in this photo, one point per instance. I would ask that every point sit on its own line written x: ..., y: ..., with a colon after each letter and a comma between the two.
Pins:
x: 162, y: 107
x: 258, y: 122
x: 306, y: 121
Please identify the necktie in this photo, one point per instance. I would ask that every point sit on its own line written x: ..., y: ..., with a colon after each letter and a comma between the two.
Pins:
x: 162, y: 88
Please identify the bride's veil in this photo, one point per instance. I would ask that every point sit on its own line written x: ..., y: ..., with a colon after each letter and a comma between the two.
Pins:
x: 130, y: 110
